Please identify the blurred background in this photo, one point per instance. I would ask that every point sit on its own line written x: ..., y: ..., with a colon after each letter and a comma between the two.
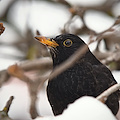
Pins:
x: 92, y: 20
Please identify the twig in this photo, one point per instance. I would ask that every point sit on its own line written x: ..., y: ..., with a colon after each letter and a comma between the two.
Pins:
x: 64, y: 2
x: 80, y: 11
x: 69, y: 62
x: 4, y: 76
x: 114, y: 56
x: 4, y: 112
x: 4, y: 15
x: 16, y: 71
x: 103, y: 96
x: 8, y: 104
x: 33, y: 89
x: 37, y: 64
x: 107, y: 33
x: 33, y: 85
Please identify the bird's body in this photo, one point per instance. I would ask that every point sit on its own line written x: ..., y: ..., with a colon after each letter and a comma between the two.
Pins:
x: 87, y: 77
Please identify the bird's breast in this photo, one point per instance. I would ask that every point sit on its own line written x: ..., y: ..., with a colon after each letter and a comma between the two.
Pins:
x: 74, y: 82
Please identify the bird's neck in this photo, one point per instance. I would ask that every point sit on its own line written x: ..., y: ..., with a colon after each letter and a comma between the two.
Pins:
x: 84, y: 58
x: 58, y: 60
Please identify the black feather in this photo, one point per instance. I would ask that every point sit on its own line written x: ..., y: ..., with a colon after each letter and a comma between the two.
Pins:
x: 87, y: 77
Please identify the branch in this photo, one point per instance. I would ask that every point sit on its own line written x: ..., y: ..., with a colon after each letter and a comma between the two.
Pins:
x: 8, y: 104
x: 4, y: 15
x: 69, y: 62
x: 44, y: 63
x: 16, y: 71
x: 33, y: 86
x: 4, y: 112
x: 64, y: 2
x: 37, y: 64
x: 111, y: 33
x: 4, y: 76
x: 103, y: 96
x: 113, y: 57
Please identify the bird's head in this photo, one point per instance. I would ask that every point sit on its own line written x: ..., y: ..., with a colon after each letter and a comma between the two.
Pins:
x: 62, y: 46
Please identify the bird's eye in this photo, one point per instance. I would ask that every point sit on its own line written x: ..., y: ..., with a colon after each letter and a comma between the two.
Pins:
x: 67, y: 43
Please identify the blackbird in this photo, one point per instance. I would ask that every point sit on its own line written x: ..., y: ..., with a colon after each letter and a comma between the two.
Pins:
x: 87, y: 77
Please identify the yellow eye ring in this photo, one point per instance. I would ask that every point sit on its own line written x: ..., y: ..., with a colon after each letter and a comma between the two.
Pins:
x: 67, y: 43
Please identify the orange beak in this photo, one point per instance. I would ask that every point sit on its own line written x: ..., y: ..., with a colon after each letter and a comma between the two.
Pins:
x: 47, y: 41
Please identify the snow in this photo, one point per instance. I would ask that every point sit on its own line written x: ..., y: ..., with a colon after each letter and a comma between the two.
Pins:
x: 19, y: 109
x: 85, y: 108
x: 86, y: 2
